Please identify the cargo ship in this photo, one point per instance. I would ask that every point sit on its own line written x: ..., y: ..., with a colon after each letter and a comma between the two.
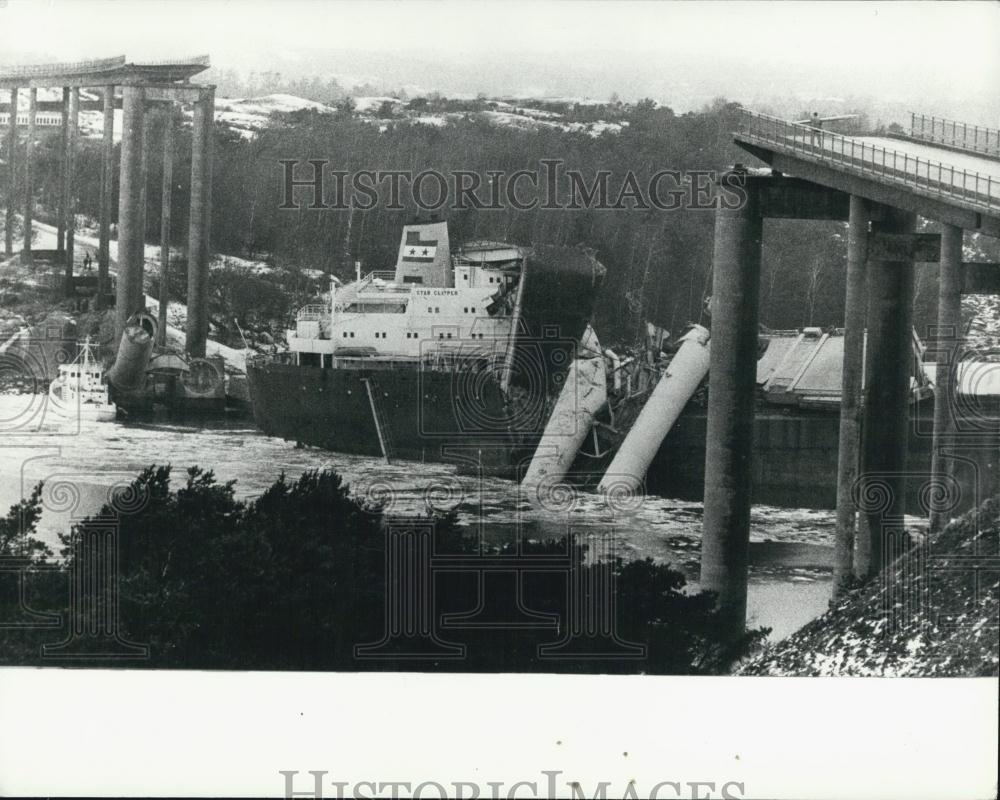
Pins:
x: 450, y: 356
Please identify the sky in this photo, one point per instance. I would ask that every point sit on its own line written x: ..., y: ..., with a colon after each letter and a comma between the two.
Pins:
x: 681, y: 54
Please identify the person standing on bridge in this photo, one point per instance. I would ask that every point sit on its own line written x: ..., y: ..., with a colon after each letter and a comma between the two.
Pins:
x: 815, y: 130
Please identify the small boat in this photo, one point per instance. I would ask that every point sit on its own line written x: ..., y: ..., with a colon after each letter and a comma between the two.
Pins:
x: 79, y: 391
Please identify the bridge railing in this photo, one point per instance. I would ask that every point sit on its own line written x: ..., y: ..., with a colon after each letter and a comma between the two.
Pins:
x: 949, y: 132
x: 70, y: 67
x: 925, y: 176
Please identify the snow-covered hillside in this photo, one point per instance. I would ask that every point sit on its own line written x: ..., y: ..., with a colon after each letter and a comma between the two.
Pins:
x: 249, y: 115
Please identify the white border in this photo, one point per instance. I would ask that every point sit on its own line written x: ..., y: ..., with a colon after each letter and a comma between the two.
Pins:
x: 157, y: 733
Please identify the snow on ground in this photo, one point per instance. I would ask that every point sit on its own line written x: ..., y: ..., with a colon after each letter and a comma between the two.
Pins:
x: 523, y: 121
x: 92, y: 124
x: 220, y: 261
x: 597, y: 128
x: 176, y: 319
x: 366, y: 105
x: 430, y: 119
x: 176, y: 312
x: 537, y: 113
x: 915, y: 621
x: 249, y: 115
x: 271, y: 103
x: 983, y: 313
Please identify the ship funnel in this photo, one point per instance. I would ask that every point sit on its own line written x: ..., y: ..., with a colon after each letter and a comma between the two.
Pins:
x: 425, y: 255
x: 134, y: 350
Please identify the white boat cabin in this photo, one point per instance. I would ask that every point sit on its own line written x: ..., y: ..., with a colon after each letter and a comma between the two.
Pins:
x: 434, y: 302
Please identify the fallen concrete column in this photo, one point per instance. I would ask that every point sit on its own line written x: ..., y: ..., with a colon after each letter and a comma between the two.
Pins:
x: 134, y: 350
x: 685, y: 373
x: 583, y: 394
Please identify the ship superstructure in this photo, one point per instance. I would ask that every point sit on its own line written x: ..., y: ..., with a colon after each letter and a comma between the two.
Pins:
x: 447, y: 357
x: 431, y: 304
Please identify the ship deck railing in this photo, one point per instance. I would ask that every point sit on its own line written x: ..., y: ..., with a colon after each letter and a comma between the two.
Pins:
x: 386, y: 275
x: 429, y: 361
x: 312, y: 313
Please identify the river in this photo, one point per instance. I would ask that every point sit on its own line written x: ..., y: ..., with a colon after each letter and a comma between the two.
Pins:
x: 790, y: 549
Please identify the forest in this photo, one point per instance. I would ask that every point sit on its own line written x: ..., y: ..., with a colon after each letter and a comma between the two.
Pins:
x: 658, y: 262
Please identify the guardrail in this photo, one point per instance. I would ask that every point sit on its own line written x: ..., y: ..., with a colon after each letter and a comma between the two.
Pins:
x: 202, y: 61
x: 925, y: 176
x: 71, y: 67
x: 961, y: 135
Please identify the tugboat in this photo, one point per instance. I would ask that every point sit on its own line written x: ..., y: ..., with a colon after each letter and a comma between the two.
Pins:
x: 79, y: 391
x: 450, y: 357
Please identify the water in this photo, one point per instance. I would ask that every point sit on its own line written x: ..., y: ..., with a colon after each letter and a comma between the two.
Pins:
x: 790, y: 549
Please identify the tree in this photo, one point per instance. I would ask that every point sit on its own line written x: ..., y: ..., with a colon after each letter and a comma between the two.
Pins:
x: 296, y: 578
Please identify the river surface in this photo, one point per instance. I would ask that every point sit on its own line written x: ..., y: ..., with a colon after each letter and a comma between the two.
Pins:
x: 790, y: 549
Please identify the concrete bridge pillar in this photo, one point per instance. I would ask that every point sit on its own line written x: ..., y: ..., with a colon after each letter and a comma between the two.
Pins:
x: 732, y: 385
x: 199, y: 228
x: 886, y: 417
x: 63, y: 174
x: 69, y: 166
x: 850, y: 404
x: 165, y: 204
x: 138, y: 300
x: 8, y: 243
x: 130, y: 239
x: 107, y: 193
x: 948, y: 346
x: 29, y: 181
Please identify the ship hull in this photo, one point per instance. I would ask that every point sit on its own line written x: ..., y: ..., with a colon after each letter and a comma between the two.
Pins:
x: 399, y: 413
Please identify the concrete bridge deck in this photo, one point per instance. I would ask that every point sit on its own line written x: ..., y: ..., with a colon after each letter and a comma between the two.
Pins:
x: 941, y: 182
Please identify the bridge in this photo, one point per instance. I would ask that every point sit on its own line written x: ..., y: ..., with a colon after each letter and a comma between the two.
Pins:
x: 945, y: 171
x: 150, y: 94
